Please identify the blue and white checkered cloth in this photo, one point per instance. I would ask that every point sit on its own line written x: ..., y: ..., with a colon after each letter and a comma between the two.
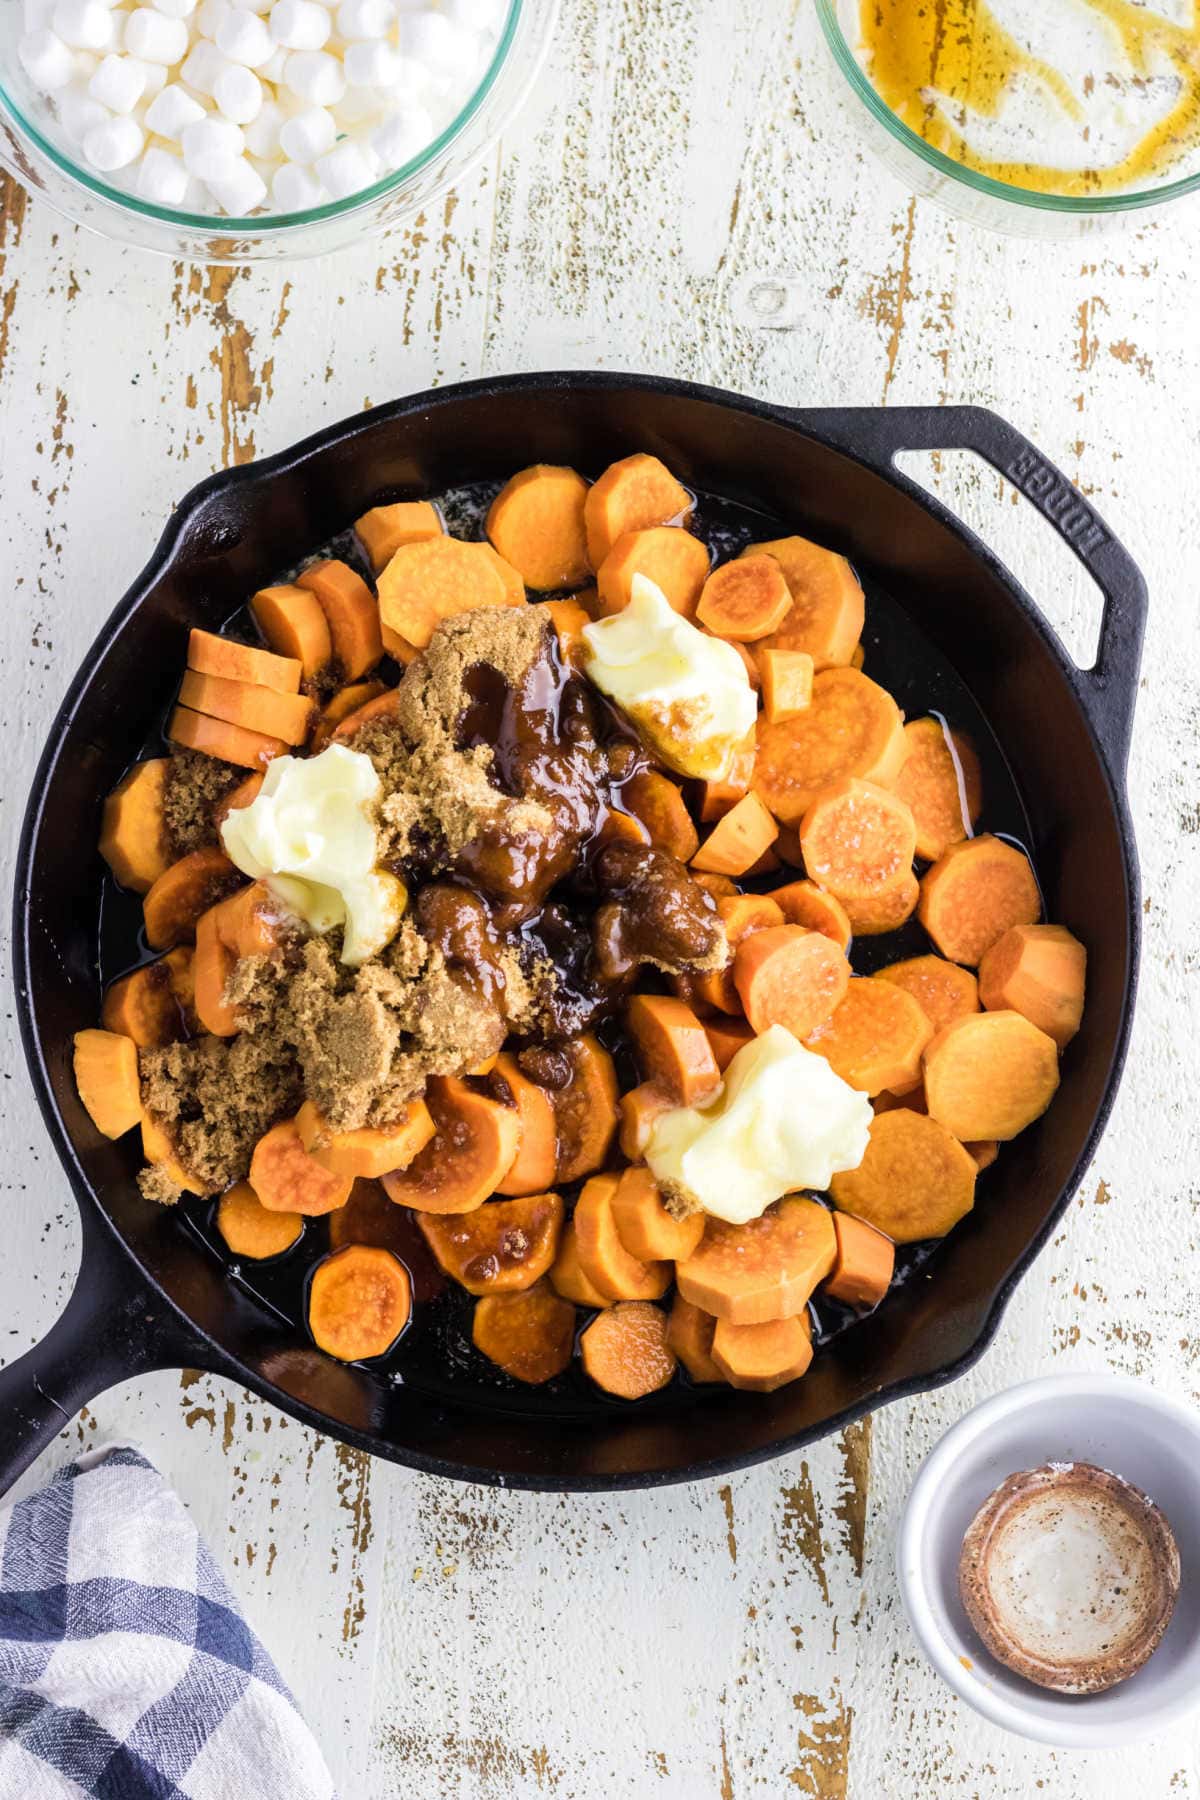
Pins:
x: 126, y: 1669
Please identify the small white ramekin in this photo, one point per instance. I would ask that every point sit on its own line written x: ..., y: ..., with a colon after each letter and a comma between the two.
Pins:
x: 1110, y: 1420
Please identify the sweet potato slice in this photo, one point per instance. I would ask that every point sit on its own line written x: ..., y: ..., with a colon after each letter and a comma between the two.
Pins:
x: 396, y: 646
x: 384, y: 529
x: 351, y: 613
x: 369, y: 1217
x: 983, y: 1153
x: 585, y: 1111
x: 621, y: 828
x: 427, y: 582
x: 530, y: 1335
x: 761, y: 1358
x: 874, y: 1038
x: 989, y: 1075
x: 291, y: 620
x: 658, y: 803
x: 675, y: 561
x: 359, y: 1301
x: 804, y: 903
x: 250, y: 1229
x: 791, y: 977
x: 940, y: 780
x: 866, y: 1261
x: 719, y: 886
x: 858, y: 840
x: 159, y: 1149
x: 347, y: 700
x: 383, y: 706
x: 631, y: 495
x: 852, y: 727
x: 212, y: 966
x: 499, y: 1248
x: 718, y: 797
x: 763, y: 1270
x: 371, y: 1151
x: 744, y: 600
x: 133, y: 839
x: 645, y: 1227
x: 738, y: 839
x: 260, y: 709
x: 106, y: 1077
x: 151, y: 1004
x: 534, y: 1165
x: 741, y: 915
x: 786, y: 677
x: 1039, y: 971
x: 915, y: 1181
x: 689, y: 1337
x: 625, y: 1350
x: 287, y: 1179
x: 943, y: 990
x: 874, y: 915
x: 184, y: 891
x: 567, y: 1277
x: 569, y: 618
x: 672, y: 1048
x: 476, y: 1141
x: 606, y: 1263
x: 536, y: 524
x: 210, y: 654
x: 217, y: 737
x: 727, y: 1037
x: 640, y: 1108
x: 827, y: 611
x: 975, y: 893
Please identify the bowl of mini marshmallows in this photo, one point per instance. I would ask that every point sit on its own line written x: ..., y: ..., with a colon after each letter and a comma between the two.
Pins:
x: 230, y: 130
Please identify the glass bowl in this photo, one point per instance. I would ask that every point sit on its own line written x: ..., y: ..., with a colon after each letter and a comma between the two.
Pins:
x: 968, y: 194
x: 31, y: 148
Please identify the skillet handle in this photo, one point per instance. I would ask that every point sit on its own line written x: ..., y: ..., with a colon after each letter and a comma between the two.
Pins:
x: 875, y: 435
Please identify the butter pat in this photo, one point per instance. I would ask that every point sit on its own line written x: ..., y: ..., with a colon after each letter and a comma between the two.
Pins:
x: 310, y: 834
x: 783, y: 1121
x: 687, y: 693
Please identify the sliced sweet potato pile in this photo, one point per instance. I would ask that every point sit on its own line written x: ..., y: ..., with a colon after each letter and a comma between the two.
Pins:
x: 351, y: 613
x: 213, y: 655
x: 690, y: 1336
x: 385, y: 529
x: 1039, y: 971
x: 107, y: 1080
x: 291, y: 620
x: 640, y: 1108
x: 260, y: 709
x: 625, y: 1350
x: 645, y: 1227
x: 250, y: 1229
x: 499, y: 1248
x: 804, y: 903
x: 217, y: 737
x: 631, y: 495
x: 476, y: 1141
x: 158, y: 1149
x: 370, y: 1151
x: 827, y: 611
x: 874, y: 915
x: 536, y: 524
x: 744, y: 600
x: 606, y: 1263
x: 717, y: 797
x: 738, y: 839
x: 786, y: 677
x: 672, y: 1048
x: 727, y: 1037
x: 369, y: 1217
x: 941, y: 781
x: 866, y: 1261
x: 567, y: 1276
x: 132, y: 836
x: 585, y: 1111
x: 152, y: 1004
x: 658, y: 803
x: 791, y: 977
x: 287, y: 1179
x: 742, y: 915
x: 347, y: 700
x: 359, y: 1301
x: 858, y: 840
x: 989, y: 1075
x: 915, y: 1181
x: 763, y: 1270
x: 427, y: 582
x: 852, y: 727
x: 943, y: 990
x: 761, y: 1358
x: 188, y: 888
x: 875, y: 1037
x: 530, y: 1335
x: 536, y: 1160
x: 975, y: 893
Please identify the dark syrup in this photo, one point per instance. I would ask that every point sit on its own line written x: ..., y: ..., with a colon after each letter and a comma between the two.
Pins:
x: 435, y: 1353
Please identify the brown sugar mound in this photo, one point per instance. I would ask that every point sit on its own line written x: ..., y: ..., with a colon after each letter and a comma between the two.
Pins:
x: 195, y: 786
x: 216, y: 1097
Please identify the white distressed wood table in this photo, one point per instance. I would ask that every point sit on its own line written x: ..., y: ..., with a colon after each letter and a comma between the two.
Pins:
x: 737, y: 1638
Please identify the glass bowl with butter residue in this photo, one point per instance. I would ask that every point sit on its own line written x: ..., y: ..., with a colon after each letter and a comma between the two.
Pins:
x: 1034, y: 117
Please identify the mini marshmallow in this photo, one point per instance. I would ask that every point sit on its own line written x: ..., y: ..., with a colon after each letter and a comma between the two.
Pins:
x: 154, y: 80
x: 359, y: 104
x: 210, y: 16
x: 84, y: 24
x: 344, y: 170
x: 272, y: 70
x: 210, y: 149
x: 239, y: 191
x: 46, y: 60
x: 262, y: 132
x: 113, y: 145
x: 300, y: 24
x: 254, y: 6
x: 238, y: 94
x: 314, y: 76
x: 294, y: 189
x: 77, y: 113
x: 204, y: 66
x: 155, y: 38
x: 162, y: 177
x: 245, y: 38
x: 119, y: 83
x: 365, y: 18
x: 308, y: 134
x: 373, y: 65
x: 432, y: 38
x: 176, y: 9
x: 399, y: 138
x: 171, y: 112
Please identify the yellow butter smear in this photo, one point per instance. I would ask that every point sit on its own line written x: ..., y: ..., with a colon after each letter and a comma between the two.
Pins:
x: 916, y: 50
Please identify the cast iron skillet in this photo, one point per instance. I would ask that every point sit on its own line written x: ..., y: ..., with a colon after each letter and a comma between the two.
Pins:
x: 149, y: 1297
